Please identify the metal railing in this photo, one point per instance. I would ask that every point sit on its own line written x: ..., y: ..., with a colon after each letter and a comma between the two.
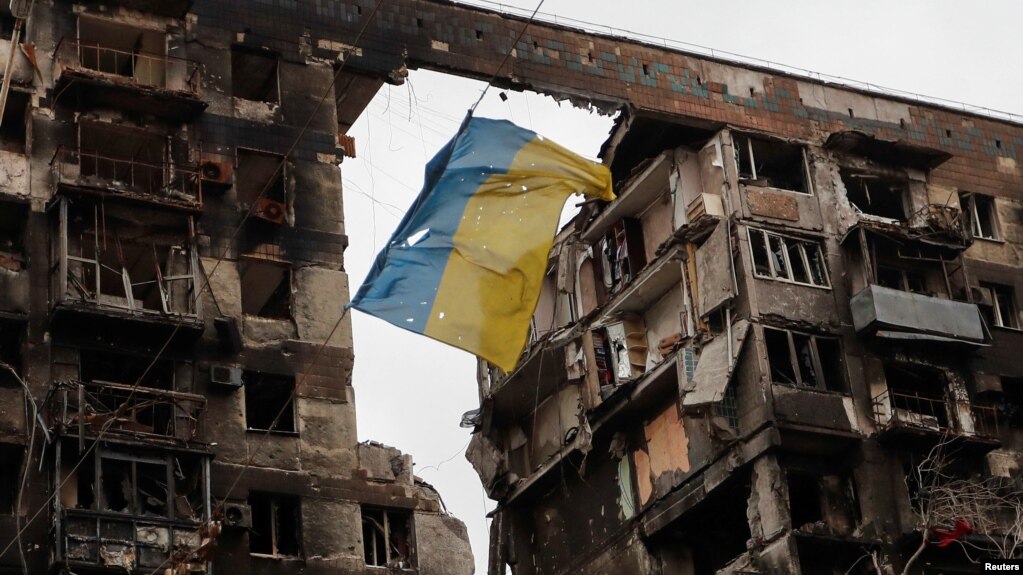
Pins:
x: 933, y: 413
x: 129, y: 543
x: 76, y: 167
x: 92, y: 407
x: 143, y: 68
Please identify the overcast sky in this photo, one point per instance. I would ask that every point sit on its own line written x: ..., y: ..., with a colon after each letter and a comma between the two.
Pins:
x: 412, y: 391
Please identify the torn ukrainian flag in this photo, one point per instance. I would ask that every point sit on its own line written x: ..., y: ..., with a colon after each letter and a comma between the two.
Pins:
x: 466, y: 263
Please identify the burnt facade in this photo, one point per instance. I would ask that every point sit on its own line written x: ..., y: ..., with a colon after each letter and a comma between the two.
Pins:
x: 785, y: 347
x: 174, y: 395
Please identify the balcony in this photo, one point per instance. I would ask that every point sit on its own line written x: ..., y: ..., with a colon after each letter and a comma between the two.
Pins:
x: 172, y: 8
x: 126, y: 79
x: 104, y: 540
x: 922, y: 414
x: 893, y: 314
x: 142, y: 413
x: 109, y: 175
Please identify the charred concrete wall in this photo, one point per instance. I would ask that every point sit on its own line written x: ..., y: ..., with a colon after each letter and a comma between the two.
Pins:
x: 171, y: 270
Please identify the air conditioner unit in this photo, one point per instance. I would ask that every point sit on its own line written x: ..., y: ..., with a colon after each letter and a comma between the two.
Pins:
x: 270, y: 210
x: 216, y: 175
x: 225, y: 377
x: 237, y: 515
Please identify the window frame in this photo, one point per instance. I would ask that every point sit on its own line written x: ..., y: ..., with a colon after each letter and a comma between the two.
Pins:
x: 991, y: 215
x: 815, y: 358
x: 804, y: 257
x: 1011, y: 314
x: 386, y: 513
x: 260, y: 378
x: 274, y: 501
x: 808, y: 188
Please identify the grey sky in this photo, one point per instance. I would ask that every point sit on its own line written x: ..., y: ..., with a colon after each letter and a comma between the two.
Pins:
x: 411, y: 391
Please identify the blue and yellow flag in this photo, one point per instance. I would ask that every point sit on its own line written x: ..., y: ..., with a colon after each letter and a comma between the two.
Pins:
x: 466, y: 263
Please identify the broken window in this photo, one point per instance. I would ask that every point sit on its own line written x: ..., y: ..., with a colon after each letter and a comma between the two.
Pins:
x: 875, y: 195
x: 772, y: 164
x: 789, y: 259
x: 806, y: 360
x: 623, y: 253
x: 1011, y: 406
x: 269, y: 402
x: 115, y: 256
x: 903, y: 279
x: 266, y: 288
x: 983, y: 216
x: 387, y: 538
x: 822, y: 503
x: 917, y: 395
x: 100, y: 365
x: 13, y: 217
x: 276, y: 525
x: 14, y: 128
x: 10, y: 476
x: 12, y: 334
x: 254, y: 75
x: 998, y: 304
x: 120, y: 50
x: 135, y: 485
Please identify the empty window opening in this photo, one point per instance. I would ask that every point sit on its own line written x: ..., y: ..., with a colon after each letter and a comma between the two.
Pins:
x: 752, y: 92
x: 903, y: 279
x: 121, y: 158
x: 254, y: 75
x: 12, y: 336
x: 419, y: 22
x: 1010, y: 407
x: 479, y: 34
x: 112, y: 367
x: 646, y: 70
x: 623, y: 254
x: 134, y: 485
x: 772, y: 164
x: 822, y: 503
x: 117, y: 258
x: 387, y: 538
x: 998, y: 144
x: 269, y: 402
x: 998, y: 304
x: 804, y: 499
x: 276, y: 525
x: 850, y: 112
x: 266, y: 288
x: 260, y: 177
x: 10, y: 476
x: 13, y: 217
x: 122, y: 51
x: 874, y: 195
x: 983, y: 216
x: 805, y: 360
x: 917, y: 395
x: 14, y: 128
x: 787, y: 259
x: 948, y: 133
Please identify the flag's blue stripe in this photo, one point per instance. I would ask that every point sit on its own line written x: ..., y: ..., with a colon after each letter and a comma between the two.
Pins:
x: 403, y: 283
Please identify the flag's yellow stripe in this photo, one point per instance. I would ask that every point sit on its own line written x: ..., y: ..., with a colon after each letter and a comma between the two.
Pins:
x: 493, y: 276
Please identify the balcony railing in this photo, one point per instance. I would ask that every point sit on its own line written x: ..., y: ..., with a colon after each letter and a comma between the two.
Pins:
x: 92, y: 538
x: 114, y: 408
x: 930, y: 413
x: 161, y: 182
x: 144, y: 69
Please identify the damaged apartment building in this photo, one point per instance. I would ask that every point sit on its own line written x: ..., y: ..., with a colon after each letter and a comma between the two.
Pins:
x: 786, y: 347
x: 171, y: 267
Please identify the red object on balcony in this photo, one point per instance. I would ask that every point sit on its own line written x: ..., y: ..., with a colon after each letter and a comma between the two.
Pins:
x: 946, y: 537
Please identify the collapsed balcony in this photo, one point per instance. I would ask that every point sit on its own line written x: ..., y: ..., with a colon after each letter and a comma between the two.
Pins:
x: 88, y: 408
x: 115, y: 262
x: 930, y: 413
x: 119, y: 67
x: 124, y: 510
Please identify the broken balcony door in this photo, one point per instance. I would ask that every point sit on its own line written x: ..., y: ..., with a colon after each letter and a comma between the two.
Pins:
x: 116, y: 259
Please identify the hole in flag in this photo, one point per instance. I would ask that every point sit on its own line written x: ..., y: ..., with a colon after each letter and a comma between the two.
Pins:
x: 418, y: 237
